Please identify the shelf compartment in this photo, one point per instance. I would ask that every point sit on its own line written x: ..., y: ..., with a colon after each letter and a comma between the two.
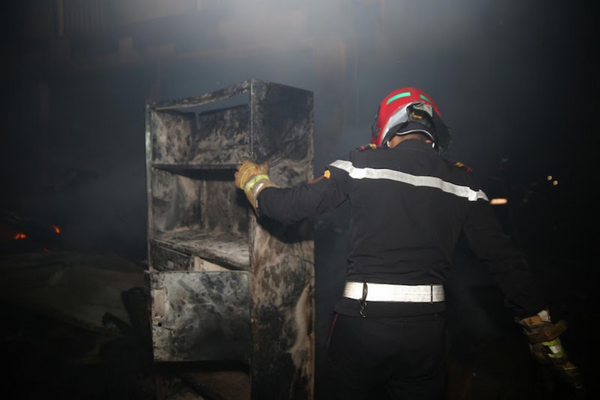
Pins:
x: 197, y: 201
x: 213, y: 137
x: 228, y: 250
x: 201, y: 315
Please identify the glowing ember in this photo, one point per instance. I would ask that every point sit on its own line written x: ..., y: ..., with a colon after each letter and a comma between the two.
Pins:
x: 20, y: 235
x: 56, y: 228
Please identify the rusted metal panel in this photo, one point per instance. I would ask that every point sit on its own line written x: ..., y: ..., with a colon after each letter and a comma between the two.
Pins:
x: 282, y: 124
x: 172, y: 136
x: 201, y: 315
x: 225, y: 208
x: 175, y: 202
x: 283, y: 295
x: 221, y: 137
x: 212, y: 97
x: 167, y: 259
x: 282, y: 257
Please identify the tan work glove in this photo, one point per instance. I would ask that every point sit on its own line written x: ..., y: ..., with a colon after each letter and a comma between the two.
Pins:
x: 546, y: 347
x: 252, y: 179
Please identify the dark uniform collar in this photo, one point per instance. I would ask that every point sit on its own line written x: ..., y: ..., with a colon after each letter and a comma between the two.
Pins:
x: 414, y: 144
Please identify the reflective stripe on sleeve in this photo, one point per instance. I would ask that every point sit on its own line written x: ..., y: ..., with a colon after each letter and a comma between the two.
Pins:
x: 425, y: 181
x: 555, y: 347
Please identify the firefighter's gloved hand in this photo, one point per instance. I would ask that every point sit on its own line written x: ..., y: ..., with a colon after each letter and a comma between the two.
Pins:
x: 544, y: 338
x: 252, y: 178
x: 546, y: 347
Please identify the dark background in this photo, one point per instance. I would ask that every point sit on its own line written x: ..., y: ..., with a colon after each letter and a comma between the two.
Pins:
x: 516, y: 81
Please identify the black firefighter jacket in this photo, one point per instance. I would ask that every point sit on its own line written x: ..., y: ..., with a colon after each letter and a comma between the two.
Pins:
x: 408, y: 208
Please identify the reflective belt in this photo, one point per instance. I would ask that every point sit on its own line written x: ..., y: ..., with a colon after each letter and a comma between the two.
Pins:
x: 394, y: 293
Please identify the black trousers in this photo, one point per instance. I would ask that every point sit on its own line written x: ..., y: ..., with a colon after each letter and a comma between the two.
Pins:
x: 405, y: 357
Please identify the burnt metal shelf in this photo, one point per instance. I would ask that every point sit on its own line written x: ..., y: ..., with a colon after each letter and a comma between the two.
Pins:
x: 226, y: 285
x: 176, y: 168
x: 230, y: 250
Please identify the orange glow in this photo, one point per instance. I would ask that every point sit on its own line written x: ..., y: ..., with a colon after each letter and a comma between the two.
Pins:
x: 56, y: 228
x: 20, y: 235
x: 498, y: 201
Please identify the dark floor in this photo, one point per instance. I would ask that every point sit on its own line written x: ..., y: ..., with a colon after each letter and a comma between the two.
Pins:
x: 45, y: 358
x: 489, y: 360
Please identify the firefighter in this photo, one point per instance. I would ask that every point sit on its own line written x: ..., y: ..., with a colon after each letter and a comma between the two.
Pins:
x: 409, y: 206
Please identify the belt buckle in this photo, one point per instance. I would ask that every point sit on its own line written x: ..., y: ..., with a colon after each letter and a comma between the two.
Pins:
x: 362, y: 303
x: 431, y: 294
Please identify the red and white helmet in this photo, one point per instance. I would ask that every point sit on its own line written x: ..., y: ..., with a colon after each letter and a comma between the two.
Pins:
x: 410, y: 110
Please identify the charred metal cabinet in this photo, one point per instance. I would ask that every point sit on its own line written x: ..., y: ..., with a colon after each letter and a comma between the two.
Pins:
x: 226, y: 285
